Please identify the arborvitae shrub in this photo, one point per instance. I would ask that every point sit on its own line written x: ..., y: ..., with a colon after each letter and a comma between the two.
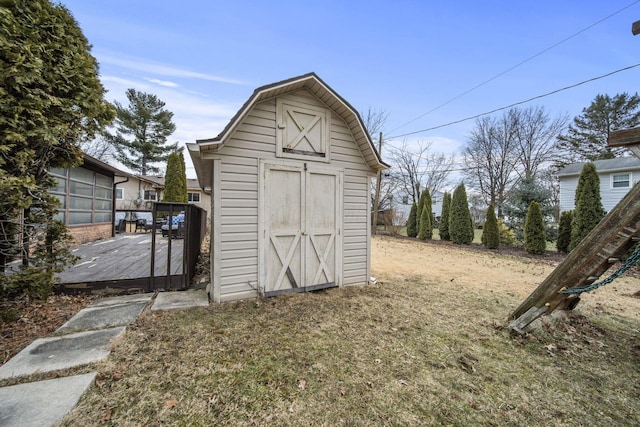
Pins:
x: 426, y: 217
x: 490, y: 231
x: 564, y: 232
x: 534, y: 239
x: 460, y: 224
x: 411, y: 222
x: 444, y: 217
x: 589, y: 210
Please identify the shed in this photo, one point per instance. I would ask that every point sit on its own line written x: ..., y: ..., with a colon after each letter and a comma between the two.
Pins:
x: 290, y: 179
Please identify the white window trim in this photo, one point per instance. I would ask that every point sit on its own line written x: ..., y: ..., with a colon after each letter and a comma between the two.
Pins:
x: 155, y: 196
x: 192, y: 193
x: 619, y: 174
x: 121, y: 190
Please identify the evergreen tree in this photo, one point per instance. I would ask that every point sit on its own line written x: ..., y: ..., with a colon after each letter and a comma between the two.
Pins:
x: 142, y: 131
x: 444, y: 217
x: 419, y: 211
x: 534, y: 238
x: 589, y: 210
x: 460, y: 224
x: 51, y: 99
x: 586, y: 138
x: 490, y: 231
x: 175, y: 180
x: 426, y: 219
x: 412, y: 222
x: 564, y: 232
x: 519, y: 201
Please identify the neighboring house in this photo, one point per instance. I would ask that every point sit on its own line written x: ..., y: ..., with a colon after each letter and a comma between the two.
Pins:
x: 400, y: 203
x: 290, y: 178
x: 140, y: 191
x: 86, y: 196
x: 617, y: 176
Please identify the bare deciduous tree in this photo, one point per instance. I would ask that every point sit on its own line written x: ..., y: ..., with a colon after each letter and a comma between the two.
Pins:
x: 536, y: 136
x: 374, y: 120
x: 99, y: 148
x: 438, y: 169
x: 409, y: 167
x: 491, y: 157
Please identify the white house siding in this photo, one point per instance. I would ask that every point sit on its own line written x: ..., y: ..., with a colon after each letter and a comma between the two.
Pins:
x: 610, y: 196
x: 235, y: 243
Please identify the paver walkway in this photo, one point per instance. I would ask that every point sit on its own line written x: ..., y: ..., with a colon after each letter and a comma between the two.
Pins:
x: 85, y: 338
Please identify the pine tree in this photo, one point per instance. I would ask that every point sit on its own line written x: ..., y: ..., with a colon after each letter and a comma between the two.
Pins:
x: 52, y: 98
x: 175, y: 180
x: 534, y: 238
x: 412, y: 222
x: 460, y: 224
x: 589, y: 210
x: 564, y: 232
x: 490, y: 231
x: 426, y: 220
x: 142, y: 131
x: 444, y: 217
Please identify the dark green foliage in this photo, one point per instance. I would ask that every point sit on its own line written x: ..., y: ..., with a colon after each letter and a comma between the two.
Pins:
x: 535, y: 241
x: 564, y: 232
x: 519, y: 200
x: 419, y: 211
x: 425, y: 230
x: 444, y: 217
x: 51, y: 98
x: 142, y: 131
x: 412, y: 230
x: 460, y: 224
x: 589, y: 210
x: 490, y: 231
x: 175, y: 179
x: 586, y: 138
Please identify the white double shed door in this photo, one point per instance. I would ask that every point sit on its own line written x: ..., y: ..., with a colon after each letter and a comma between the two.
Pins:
x: 300, y: 226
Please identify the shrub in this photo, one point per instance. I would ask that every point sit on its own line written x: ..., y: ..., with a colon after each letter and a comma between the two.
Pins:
x: 507, y: 236
x: 444, y: 217
x: 589, y: 210
x: 490, y: 231
x: 460, y: 224
x: 411, y: 222
x: 425, y: 231
x: 534, y: 239
x: 564, y: 232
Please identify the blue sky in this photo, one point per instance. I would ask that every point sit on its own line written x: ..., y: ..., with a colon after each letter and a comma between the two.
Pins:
x: 205, y: 58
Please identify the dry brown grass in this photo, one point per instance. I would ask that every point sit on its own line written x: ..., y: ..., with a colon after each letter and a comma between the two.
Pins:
x: 416, y: 349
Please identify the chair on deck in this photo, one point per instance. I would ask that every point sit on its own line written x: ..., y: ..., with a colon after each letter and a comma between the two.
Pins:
x: 144, y: 221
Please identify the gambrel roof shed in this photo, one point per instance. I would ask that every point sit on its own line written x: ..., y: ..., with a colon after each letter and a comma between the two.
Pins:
x: 290, y: 179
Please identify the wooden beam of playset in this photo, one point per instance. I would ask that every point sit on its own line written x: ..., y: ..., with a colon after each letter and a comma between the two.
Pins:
x: 613, y: 237
x: 628, y: 138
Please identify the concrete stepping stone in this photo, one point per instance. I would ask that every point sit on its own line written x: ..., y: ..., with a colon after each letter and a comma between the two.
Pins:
x: 179, y: 300
x: 103, y: 316
x: 54, y: 353
x: 102, y: 302
x: 41, y: 403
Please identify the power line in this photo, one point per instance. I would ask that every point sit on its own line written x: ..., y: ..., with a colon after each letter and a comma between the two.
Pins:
x: 517, y: 103
x: 516, y: 66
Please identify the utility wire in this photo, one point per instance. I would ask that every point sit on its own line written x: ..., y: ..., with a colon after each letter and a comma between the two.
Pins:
x: 517, y: 103
x: 516, y: 66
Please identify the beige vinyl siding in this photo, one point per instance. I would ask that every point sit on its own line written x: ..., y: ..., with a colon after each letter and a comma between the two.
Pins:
x: 252, y: 141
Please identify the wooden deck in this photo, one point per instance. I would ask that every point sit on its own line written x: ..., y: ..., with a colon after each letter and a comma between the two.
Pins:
x: 124, y: 257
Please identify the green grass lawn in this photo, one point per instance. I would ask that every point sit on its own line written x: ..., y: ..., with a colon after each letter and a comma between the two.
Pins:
x: 405, y: 352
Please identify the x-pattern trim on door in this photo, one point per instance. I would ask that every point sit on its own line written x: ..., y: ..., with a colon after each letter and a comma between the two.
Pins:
x: 304, y: 132
x: 322, y: 259
x: 285, y: 260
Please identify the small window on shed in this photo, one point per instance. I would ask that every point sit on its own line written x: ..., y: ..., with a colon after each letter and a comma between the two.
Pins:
x: 302, y: 131
x: 622, y: 180
x: 405, y: 200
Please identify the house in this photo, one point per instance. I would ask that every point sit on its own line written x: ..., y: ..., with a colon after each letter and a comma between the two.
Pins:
x: 617, y: 176
x: 138, y: 192
x: 290, y: 177
x: 400, y: 203
x: 86, y: 199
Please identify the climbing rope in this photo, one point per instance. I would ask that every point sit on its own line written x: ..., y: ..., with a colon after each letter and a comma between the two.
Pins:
x: 630, y: 262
